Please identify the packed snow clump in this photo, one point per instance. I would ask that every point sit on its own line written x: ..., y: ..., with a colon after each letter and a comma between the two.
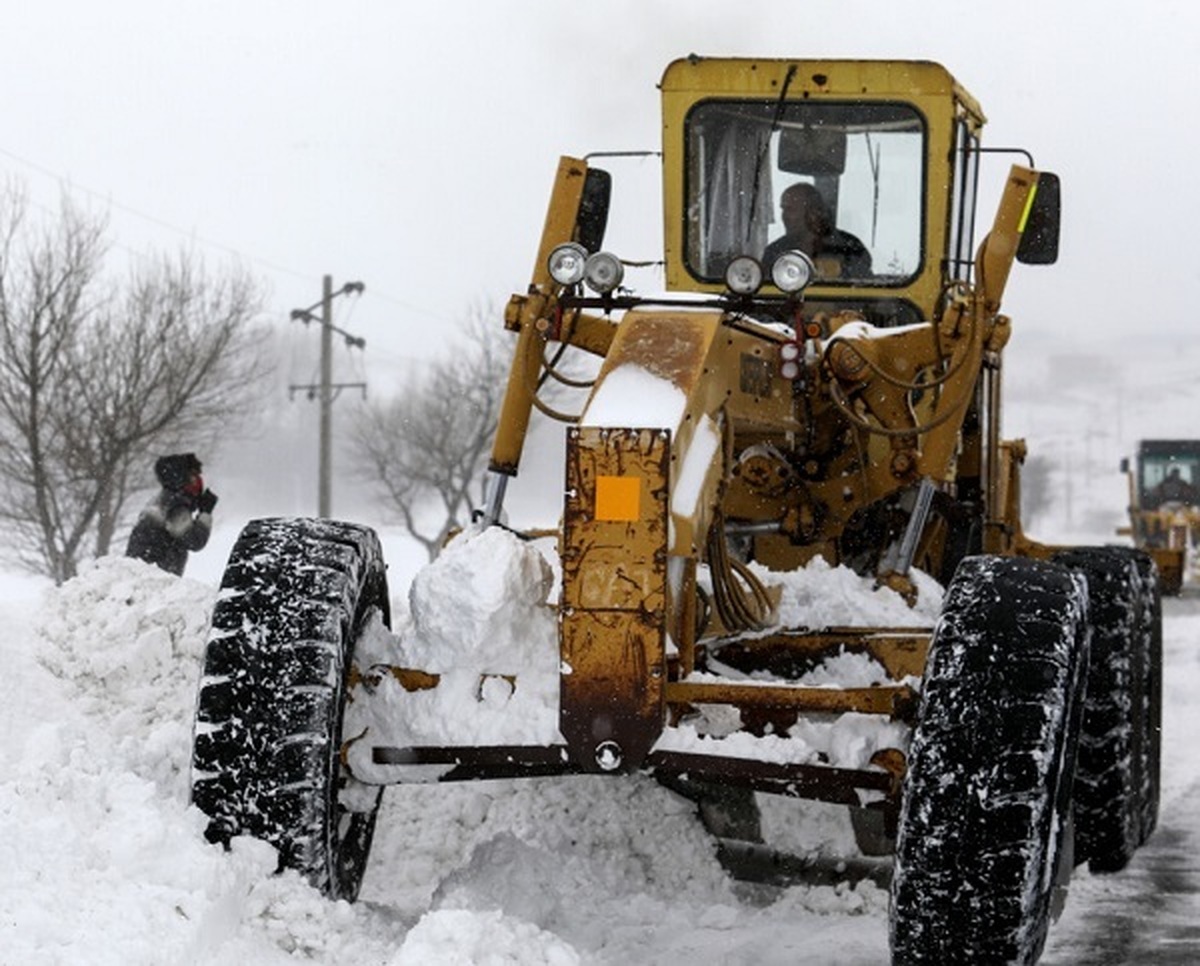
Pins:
x: 477, y: 604
x: 480, y: 623
x: 821, y: 595
x: 453, y: 936
x: 111, y: 865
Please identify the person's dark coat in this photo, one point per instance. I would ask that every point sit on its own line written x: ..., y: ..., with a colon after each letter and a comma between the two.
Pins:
x: 176, y: 521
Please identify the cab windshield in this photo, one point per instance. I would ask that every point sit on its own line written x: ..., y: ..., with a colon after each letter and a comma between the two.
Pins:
x: 840, y: 181
x: 1170, y: 478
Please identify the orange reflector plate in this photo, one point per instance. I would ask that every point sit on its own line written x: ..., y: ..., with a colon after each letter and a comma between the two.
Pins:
x: 618, y: 497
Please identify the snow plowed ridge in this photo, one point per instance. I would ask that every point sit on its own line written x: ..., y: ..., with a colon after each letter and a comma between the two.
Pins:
x: 583, y: 870
x: 125, y: 639
x: 105, y: 863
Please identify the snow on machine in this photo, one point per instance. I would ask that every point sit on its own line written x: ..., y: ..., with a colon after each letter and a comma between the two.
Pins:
x: 818, y: 388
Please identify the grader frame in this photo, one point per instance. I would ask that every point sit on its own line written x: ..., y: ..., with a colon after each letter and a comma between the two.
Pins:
x: 901, y: 417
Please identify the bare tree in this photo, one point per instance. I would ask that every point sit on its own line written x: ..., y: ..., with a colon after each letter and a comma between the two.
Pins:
x: 96, y: 378
x: 176, y: 366
x: 424, y: 451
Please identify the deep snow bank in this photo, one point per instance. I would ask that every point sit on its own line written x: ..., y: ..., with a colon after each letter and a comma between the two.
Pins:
x: 105, y: 861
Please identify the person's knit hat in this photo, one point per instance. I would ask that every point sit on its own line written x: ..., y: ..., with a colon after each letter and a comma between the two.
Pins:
x: 173, y: 471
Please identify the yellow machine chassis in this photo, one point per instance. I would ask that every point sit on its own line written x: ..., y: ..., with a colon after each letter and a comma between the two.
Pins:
x: 634, y: 625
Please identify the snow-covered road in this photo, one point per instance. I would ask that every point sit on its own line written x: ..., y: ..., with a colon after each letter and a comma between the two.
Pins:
x: 1150, y: 912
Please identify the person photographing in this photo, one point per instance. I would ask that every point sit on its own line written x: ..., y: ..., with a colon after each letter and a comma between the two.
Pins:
x: 178, y: 520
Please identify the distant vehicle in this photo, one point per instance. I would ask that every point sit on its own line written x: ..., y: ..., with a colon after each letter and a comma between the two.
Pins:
x: 1164, y: 505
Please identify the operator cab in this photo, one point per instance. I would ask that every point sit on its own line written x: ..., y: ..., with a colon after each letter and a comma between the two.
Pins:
x: 1168, y: 472
x: 806, y: 175
x: 845, y: 185
x: 883, y: 154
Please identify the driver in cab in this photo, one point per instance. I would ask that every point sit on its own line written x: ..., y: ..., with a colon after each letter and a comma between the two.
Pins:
x: 809, y: 228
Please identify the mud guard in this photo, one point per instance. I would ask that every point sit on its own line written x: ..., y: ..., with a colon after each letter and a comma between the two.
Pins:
x: 614, y: 597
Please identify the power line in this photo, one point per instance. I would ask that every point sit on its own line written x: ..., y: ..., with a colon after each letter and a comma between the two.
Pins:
x: 106, y: 198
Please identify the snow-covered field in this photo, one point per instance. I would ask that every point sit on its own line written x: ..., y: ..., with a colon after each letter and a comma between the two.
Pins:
x: 104, y: 861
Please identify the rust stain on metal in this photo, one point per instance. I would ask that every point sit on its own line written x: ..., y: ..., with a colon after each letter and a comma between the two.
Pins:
x: 413, y: 680
x: 670, y: 347
x: 614, y: 592
x: 901, y: 651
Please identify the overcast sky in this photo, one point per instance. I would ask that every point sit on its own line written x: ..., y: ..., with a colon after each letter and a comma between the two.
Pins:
x: 413, y: 149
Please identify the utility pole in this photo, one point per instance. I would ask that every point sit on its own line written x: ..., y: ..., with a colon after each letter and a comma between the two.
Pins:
x: 326, y: 388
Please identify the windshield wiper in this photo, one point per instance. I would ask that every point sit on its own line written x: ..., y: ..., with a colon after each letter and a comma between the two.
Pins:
x: 762, y: 155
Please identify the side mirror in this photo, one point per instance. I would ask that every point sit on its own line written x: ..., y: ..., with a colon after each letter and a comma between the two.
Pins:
x: 1125, y: 464
x: 592, y: 219
x: 1039, y: 240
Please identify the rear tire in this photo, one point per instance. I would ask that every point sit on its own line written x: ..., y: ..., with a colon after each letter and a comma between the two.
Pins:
x: 984, y: 822
x: 1113, y: 753
x: 295, y: 598
x: 1152, y: 644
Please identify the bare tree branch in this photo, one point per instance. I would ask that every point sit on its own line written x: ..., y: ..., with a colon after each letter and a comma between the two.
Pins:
x: 425, y: 450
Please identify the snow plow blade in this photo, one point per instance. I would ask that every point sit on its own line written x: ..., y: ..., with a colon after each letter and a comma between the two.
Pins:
x: 796, y: 779
x: 752, y: 862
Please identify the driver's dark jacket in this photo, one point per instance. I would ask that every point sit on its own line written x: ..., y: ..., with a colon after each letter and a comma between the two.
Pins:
x: 856, y: 260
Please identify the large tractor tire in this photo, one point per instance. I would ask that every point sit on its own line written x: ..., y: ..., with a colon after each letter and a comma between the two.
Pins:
x: 1117, y: 773
x: 295, y: 598
x: 983, y: 844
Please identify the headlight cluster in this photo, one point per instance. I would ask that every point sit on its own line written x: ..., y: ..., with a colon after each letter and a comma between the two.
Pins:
x: 792, y: 272
x: 569, y: 264
x: 602, y: 272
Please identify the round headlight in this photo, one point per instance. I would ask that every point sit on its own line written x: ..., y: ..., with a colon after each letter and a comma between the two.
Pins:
x: 603, y: 272
x: 792, y: 271
x: 566, y: 263
x: 744, y: 275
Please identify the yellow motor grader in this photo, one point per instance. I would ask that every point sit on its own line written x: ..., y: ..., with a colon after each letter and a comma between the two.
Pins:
x: 1164, y: 506
x: 821, y: 380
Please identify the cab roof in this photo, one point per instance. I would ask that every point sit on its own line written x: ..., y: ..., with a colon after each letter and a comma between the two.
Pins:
x: 748, y: 76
